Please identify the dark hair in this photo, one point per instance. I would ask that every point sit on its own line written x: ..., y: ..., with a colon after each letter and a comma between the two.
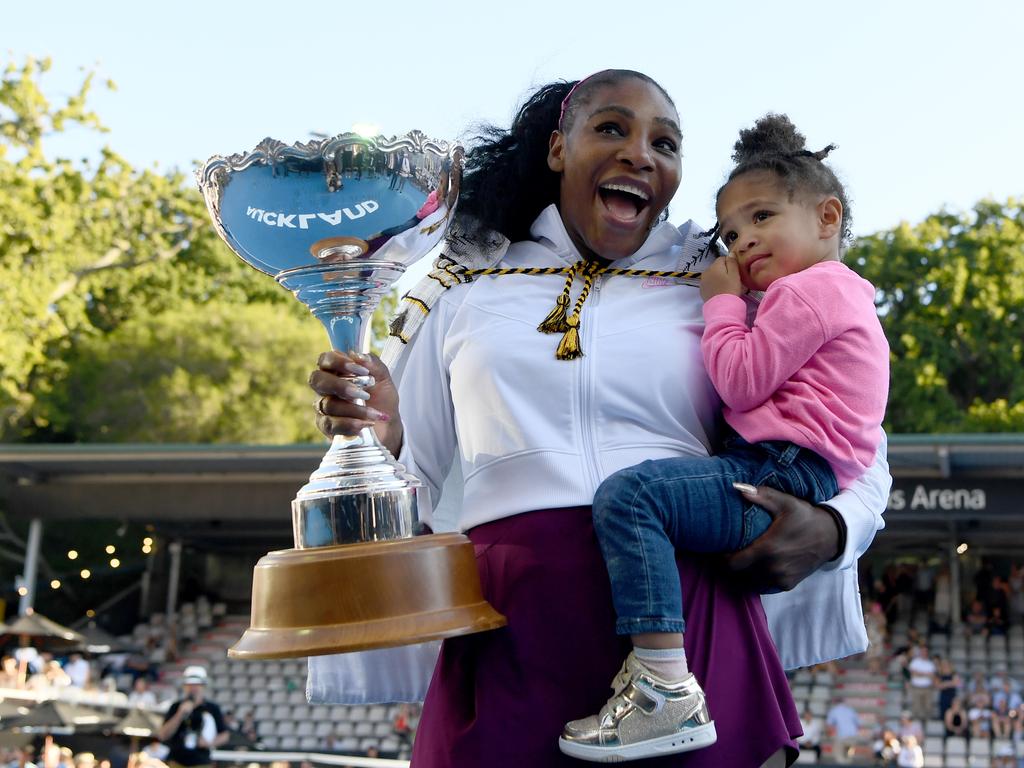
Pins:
x: 775, y: 145
x: 507, y: 182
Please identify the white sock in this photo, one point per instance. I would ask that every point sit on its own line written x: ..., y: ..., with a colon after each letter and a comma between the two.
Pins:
x: 669, y: 664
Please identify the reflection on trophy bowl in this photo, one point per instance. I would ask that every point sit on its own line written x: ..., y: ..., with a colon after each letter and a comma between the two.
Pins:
x: 337, y: 222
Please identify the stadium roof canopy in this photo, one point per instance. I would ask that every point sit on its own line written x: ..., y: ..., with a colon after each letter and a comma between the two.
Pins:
x: 240, y: 495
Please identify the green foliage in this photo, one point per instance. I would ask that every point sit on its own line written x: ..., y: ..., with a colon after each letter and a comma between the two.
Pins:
x: 951, y: 299
x: 125, y: 317
x: 193, y: 374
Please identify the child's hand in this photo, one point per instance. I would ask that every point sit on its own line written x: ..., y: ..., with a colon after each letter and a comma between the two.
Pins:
x: 723, y: 276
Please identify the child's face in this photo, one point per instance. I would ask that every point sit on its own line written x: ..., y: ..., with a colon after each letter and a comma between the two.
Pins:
x: 770, y: 234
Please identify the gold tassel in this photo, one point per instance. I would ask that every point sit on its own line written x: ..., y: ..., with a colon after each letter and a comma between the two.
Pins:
x: 569, y: 346
x: 555, y: 322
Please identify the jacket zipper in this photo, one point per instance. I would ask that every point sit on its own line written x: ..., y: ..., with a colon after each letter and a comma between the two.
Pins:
x: 589, y: 326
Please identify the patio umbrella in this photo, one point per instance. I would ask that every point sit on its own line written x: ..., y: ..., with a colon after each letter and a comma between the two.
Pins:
x: 58, y: 717
x: 10, y: 709
x: 139, y: 723
x: 36, y: 627
x: 99, y: 641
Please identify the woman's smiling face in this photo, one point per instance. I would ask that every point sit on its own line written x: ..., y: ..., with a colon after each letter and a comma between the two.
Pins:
x: 620, y: 163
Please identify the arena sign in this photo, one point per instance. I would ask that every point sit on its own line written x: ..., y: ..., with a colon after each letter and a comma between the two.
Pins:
x: 933, y: 499
x: 961, y: 497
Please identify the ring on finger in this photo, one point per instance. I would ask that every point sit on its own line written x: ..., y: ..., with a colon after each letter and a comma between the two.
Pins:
x: 319, y: 405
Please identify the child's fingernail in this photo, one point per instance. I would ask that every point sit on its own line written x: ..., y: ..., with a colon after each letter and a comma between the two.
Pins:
x: 746, y: 488
x: 375, y: 415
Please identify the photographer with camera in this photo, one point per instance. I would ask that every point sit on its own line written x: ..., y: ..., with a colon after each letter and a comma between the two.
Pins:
x: 193, y: 725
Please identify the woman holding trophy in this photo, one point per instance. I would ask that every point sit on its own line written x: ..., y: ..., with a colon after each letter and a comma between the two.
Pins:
x: 536, y: 421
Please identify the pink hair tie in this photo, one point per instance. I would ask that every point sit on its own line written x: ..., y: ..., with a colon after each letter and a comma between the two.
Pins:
x: 565, y: 101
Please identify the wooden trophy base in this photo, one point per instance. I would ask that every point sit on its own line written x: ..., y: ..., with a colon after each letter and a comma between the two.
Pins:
x: 354, y: 597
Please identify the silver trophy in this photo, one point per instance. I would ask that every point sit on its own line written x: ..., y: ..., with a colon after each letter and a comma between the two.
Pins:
x: 337, y: 222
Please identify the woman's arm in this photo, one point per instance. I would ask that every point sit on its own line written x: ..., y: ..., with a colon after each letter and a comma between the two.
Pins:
x: 803, y: 537
x: 418, y: 379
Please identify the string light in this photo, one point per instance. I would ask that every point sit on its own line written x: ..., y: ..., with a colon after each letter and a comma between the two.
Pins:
x: 72, y: 554
x: 148, y: 541
x: 22, y: 591
x: 86, y: 573
x: 55, y: 584
x: 111, y: 549
x: 114, y: 562
x: 146, y: 549
x: 90, y: 613
x: 962, y: 548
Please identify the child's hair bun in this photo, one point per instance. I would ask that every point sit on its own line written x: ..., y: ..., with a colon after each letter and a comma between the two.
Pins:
x: 771, y: 135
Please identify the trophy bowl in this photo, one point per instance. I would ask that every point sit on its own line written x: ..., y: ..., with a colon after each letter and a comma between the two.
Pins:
x: 337, y: 221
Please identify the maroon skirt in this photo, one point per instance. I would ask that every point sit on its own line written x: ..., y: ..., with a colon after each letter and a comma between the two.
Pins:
x: 499, y: 699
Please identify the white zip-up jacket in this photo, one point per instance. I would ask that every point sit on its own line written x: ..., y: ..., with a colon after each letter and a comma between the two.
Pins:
x: 482, y: 387
x: 481, y: 392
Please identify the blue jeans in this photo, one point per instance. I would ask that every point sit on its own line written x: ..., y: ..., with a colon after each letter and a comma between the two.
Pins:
x: 643, y: 514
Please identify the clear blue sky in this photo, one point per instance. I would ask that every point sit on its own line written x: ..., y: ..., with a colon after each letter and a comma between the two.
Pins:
x: 923, y: 98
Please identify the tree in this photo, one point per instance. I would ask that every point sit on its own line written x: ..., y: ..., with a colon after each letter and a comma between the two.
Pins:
x: 951, y: 300
x: 117, y: 289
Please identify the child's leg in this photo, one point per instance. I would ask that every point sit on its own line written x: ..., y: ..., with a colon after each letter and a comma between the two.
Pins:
x: 643, y: 514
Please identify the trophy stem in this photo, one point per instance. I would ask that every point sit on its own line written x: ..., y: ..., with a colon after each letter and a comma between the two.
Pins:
x: 359, y: 493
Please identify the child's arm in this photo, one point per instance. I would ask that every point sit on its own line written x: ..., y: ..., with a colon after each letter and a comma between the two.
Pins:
x: 748, y: 364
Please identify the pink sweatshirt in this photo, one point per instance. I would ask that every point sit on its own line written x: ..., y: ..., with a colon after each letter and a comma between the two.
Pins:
x: 813, y: 369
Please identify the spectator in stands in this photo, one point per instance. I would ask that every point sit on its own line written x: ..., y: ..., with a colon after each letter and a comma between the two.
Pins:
x: 193, y: 725
x: 843, y: 726
x: 922, y: 683
x: 955, y: 718
x: 78, y: 670
x: 402, y: 725
x: 50, y: 676
x: 910, y: 727
x: 977, y: 683
x: 911, y: 755
x: 997, y: 622
x: 812, y: 727
x: 9, y: 672
x: 875, y: 624
x: 1002, y: 719
x: 247, y: 727
x: 942, y: 606
x: 887, y: 747
x: 979, y: 715
x: 141, y: 696
x: 976, y: 620
x: 948, y: 683
x: 1005, y: 688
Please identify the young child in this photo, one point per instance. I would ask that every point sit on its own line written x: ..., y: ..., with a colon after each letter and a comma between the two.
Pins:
x: 804, y: 391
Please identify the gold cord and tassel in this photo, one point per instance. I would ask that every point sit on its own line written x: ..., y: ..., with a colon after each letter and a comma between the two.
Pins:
x: 559, y: 320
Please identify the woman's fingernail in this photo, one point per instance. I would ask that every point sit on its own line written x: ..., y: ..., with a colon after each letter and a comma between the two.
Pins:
x: 356, y: 370
x: 360, y: 356
x: 746, y: 488
x: 375, y: 415
x: 355, y: 393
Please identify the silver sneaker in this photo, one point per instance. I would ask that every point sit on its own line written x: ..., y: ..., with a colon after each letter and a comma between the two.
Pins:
x: 645, y: 717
